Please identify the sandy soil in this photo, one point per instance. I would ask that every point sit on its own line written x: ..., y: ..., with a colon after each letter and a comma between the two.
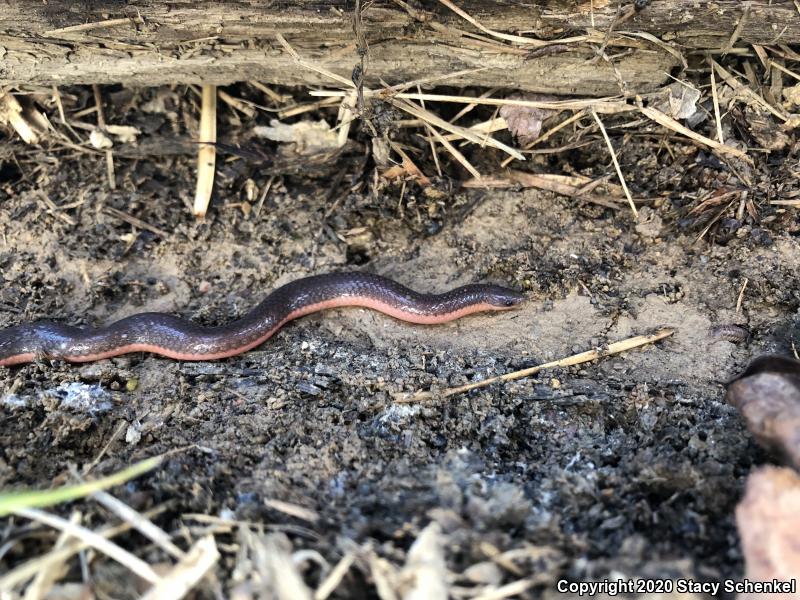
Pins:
x: 631, y: 465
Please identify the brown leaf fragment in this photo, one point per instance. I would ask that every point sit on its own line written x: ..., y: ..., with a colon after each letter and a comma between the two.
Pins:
x: 525, y: 123
x: 12, y: 113
x: 792, y: 97
x: 767, y: 394
x: 678, y: 100
x: 307, y: 137
x: 768, y: 518
x: 766, y: 132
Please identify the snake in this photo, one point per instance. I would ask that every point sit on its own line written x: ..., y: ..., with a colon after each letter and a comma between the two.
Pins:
x: 173, y: 337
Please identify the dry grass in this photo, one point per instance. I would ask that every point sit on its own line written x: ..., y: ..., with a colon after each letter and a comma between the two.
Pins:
x: 616, y: 163
x: 266, y: 561
x: 206, y: 152
x: 354, y: 103
x: 575, y: 359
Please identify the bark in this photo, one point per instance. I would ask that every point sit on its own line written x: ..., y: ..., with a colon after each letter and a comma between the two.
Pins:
x: 168, y: 41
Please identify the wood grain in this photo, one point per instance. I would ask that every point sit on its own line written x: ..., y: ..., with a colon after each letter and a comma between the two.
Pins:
x: 159, y: 41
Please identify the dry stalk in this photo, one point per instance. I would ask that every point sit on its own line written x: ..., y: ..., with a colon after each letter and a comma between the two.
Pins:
x: 715, y: 100
x: 616, y: 164
x: 207, y: 151
x: 453, y: 151
x: 575, y: 359
x: 95, y: 540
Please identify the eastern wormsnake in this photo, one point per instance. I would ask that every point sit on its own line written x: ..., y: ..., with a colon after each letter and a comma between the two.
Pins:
x: 177, y: 338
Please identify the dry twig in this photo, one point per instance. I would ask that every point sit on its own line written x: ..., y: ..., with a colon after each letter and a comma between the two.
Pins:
x: 207, y: 151
x: 334, y: 578
x: 101, y: 124
x: 187, y: 573
x: 670, y: 123
x: 715, y: 100
x: 616, y: 164
x: 97, y: 541
x: 497, y: 34
x: 52, y: 559
x: 432, y: 119
x: 453, y: 151
x: 575, y: 359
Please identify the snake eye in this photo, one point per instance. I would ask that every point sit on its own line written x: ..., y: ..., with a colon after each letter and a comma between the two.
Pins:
x: 509, y: 303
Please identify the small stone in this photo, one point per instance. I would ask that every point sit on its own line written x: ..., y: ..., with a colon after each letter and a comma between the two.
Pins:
x: 133, y: 434
x: 649, y: 224
x: 486, y: 573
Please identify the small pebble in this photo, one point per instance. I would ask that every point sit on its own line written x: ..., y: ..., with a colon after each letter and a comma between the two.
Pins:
x: 133, y: 434
x: 309, y: 388
x: 761, y: 236
x: 486, y: 573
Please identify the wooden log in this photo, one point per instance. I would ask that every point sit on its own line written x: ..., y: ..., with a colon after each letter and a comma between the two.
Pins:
x: 220, y: 42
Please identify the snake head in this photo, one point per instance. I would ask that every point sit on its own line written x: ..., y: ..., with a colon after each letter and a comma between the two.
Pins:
x: 502, y: 298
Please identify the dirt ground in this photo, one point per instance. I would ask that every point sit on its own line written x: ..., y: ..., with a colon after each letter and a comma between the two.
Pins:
x: 626, y: 467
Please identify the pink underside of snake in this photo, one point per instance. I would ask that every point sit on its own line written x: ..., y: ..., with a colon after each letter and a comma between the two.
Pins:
x: 350, y: 301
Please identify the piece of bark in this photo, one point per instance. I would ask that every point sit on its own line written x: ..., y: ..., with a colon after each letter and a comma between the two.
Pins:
x: 767, y: 394
x: 221, y: 42
x: 768, y: 519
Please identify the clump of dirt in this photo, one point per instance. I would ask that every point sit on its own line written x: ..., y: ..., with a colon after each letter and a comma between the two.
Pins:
x: 630, y: 465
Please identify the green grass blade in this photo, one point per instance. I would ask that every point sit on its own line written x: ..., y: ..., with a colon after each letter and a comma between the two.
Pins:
x: 12, y: 501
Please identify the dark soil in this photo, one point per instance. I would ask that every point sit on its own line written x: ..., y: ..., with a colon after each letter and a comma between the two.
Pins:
x: 630, y: 466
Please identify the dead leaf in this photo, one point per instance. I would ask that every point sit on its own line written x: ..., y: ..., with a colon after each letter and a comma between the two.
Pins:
x: 525, y: 123
x: 125, y: 133
x: 764, y: 129
x: 678, y: 100
x: 791, y: 96
x: 768, y: 396
x: 768, y: 518
x: 309, y: 137
x: 424, y: 577
x: 100, y: 140
x: 11, y: 113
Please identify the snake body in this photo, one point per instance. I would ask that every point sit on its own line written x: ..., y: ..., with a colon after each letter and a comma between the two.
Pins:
x: 177, y: 338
